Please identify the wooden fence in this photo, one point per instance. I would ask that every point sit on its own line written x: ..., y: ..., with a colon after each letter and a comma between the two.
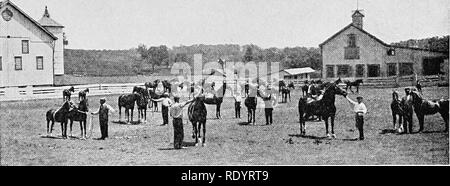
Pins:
x: 32, y: 93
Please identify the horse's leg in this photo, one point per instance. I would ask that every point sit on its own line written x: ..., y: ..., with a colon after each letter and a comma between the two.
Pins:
x: 120, y: 113
x: 196, y: 133
x: 394, y: 118
x: 51, y: 126
x: 199, y: 129
x: 48, y: 126
x: 332, y: 126
x: 357, y: 89
x: 71, y: 123
x: 444, y: 115
x: 204, y: 134
x: 326, y: 126
x: 132, y: 110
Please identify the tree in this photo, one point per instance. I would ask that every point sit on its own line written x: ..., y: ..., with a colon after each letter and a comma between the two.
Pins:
x: 248, y: 56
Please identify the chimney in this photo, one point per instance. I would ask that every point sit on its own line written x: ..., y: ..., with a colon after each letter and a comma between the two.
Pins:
x: 357, y: 19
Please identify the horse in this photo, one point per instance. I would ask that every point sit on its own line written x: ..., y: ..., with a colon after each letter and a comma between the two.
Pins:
x: 291, y: 85
x: 424, y: 107
x: 67, y: 93
x: 419, y: 86
x: 127, y: 101
x: 79, y: 114
x: 354, y: 84
x: 285, y: 92
x: 408, y: 112
x: 397, y: 110
x: 305, y: 89
x: 142, y: 102
x: 325, y: 107
x: 281, y: 84
x: 197, y: 116
x: 60, y: 116
x: 217, y: 99
x: 82, y: 94
x: 250, y: 102
x: 156, y: 90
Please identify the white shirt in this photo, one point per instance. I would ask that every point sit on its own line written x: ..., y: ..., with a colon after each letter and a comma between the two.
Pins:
x: 358, y: 107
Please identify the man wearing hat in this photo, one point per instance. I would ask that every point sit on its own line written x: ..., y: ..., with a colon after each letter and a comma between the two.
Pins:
x: 408, y: 111
x: 360, y: 110
x: 166, y: 102
x: 103, y: 113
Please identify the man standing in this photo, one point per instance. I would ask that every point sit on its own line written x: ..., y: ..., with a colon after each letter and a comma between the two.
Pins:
x: 176, y: 111
x: 238, y: 99
x: 270, y: 100
x: 166, y: 102
x: 408, y: 111
x: 103, y: 113
x: 360, y: 110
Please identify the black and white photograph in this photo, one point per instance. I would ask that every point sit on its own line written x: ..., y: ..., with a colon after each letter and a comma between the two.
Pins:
x: 224, y: 83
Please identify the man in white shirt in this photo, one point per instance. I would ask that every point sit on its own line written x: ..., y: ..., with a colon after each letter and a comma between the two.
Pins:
x: 166, y: 102
x: 360, y: 110
x: 176, y: 111
x: 238, y: 99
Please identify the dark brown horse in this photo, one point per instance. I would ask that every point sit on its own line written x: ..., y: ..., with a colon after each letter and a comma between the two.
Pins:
x: 285, y: 93
x: 324, y: 108
x: 60, y: 115
x: 356, y: 84
x: 217, y: 99
x: 127, y: 101
x: 67, y: 93
x: 197, y: 115
x: 424, y: 107
x: 79, y: 114
x: 142, y: 102
x: 82, y: 94
x: 397, y: 110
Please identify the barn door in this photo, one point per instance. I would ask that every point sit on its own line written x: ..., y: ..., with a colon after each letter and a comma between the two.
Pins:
x: 432, y: 66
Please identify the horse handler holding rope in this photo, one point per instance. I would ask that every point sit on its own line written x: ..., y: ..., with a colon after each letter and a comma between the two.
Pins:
x: 103, y: 113
x: 360, y: 109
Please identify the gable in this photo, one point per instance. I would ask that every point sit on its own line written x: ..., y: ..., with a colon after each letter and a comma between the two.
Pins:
x: 17, y: 10
x: 351, y: 26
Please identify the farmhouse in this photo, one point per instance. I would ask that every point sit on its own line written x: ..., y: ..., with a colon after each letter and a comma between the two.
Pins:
x: 355, y: 53
x: 31, y: 52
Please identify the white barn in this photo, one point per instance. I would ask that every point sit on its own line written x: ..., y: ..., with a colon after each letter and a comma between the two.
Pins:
x: 31, y: 52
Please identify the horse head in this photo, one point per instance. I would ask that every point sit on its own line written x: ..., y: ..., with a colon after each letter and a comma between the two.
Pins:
x: 395, y: 96
x: 332, y: 88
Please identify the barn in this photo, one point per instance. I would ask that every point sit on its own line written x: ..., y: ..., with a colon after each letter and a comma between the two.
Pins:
x: 355, y: 53
x: 31, y: 52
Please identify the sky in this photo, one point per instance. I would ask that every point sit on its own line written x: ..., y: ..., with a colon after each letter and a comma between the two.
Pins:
x: 124, y: 24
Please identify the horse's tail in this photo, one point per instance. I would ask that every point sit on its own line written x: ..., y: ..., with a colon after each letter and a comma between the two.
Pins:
x: 49, y: 115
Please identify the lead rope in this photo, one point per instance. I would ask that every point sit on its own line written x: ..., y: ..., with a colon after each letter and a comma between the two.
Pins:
x: 91, y: 126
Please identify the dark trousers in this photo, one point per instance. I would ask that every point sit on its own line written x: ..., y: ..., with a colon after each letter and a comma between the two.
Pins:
x: 408, y: 123
x: 178, y: 133
x: 104, y: 128
x: 360, y: 126
x: 237, y: 109
x: 165, y: 114
x: 268, y: 112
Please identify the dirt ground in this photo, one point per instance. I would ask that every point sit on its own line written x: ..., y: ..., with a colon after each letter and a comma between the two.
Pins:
x: 230, y: 141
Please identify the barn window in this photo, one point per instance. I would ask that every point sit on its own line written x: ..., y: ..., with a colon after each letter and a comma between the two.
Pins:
x: 25, y: 47
x: 406, y: 69
x: 1, y: 64
x: 40, y: 63
x: 359, y: 70
x: 392, y: 69
x: 330, y: 71
x: 352, y: 40
x: 343, y: 70
x: 18, y: 63
x: 373, y: 70
x: 391, y: 52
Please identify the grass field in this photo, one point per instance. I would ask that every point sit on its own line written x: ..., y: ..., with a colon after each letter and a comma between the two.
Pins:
x: 229, y: 141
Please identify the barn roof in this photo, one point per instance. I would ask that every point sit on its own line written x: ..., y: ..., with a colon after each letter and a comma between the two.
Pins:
x: 47, y: 21
x: 7, y: 2
x: 297, y: 71
x: 376, y: 39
